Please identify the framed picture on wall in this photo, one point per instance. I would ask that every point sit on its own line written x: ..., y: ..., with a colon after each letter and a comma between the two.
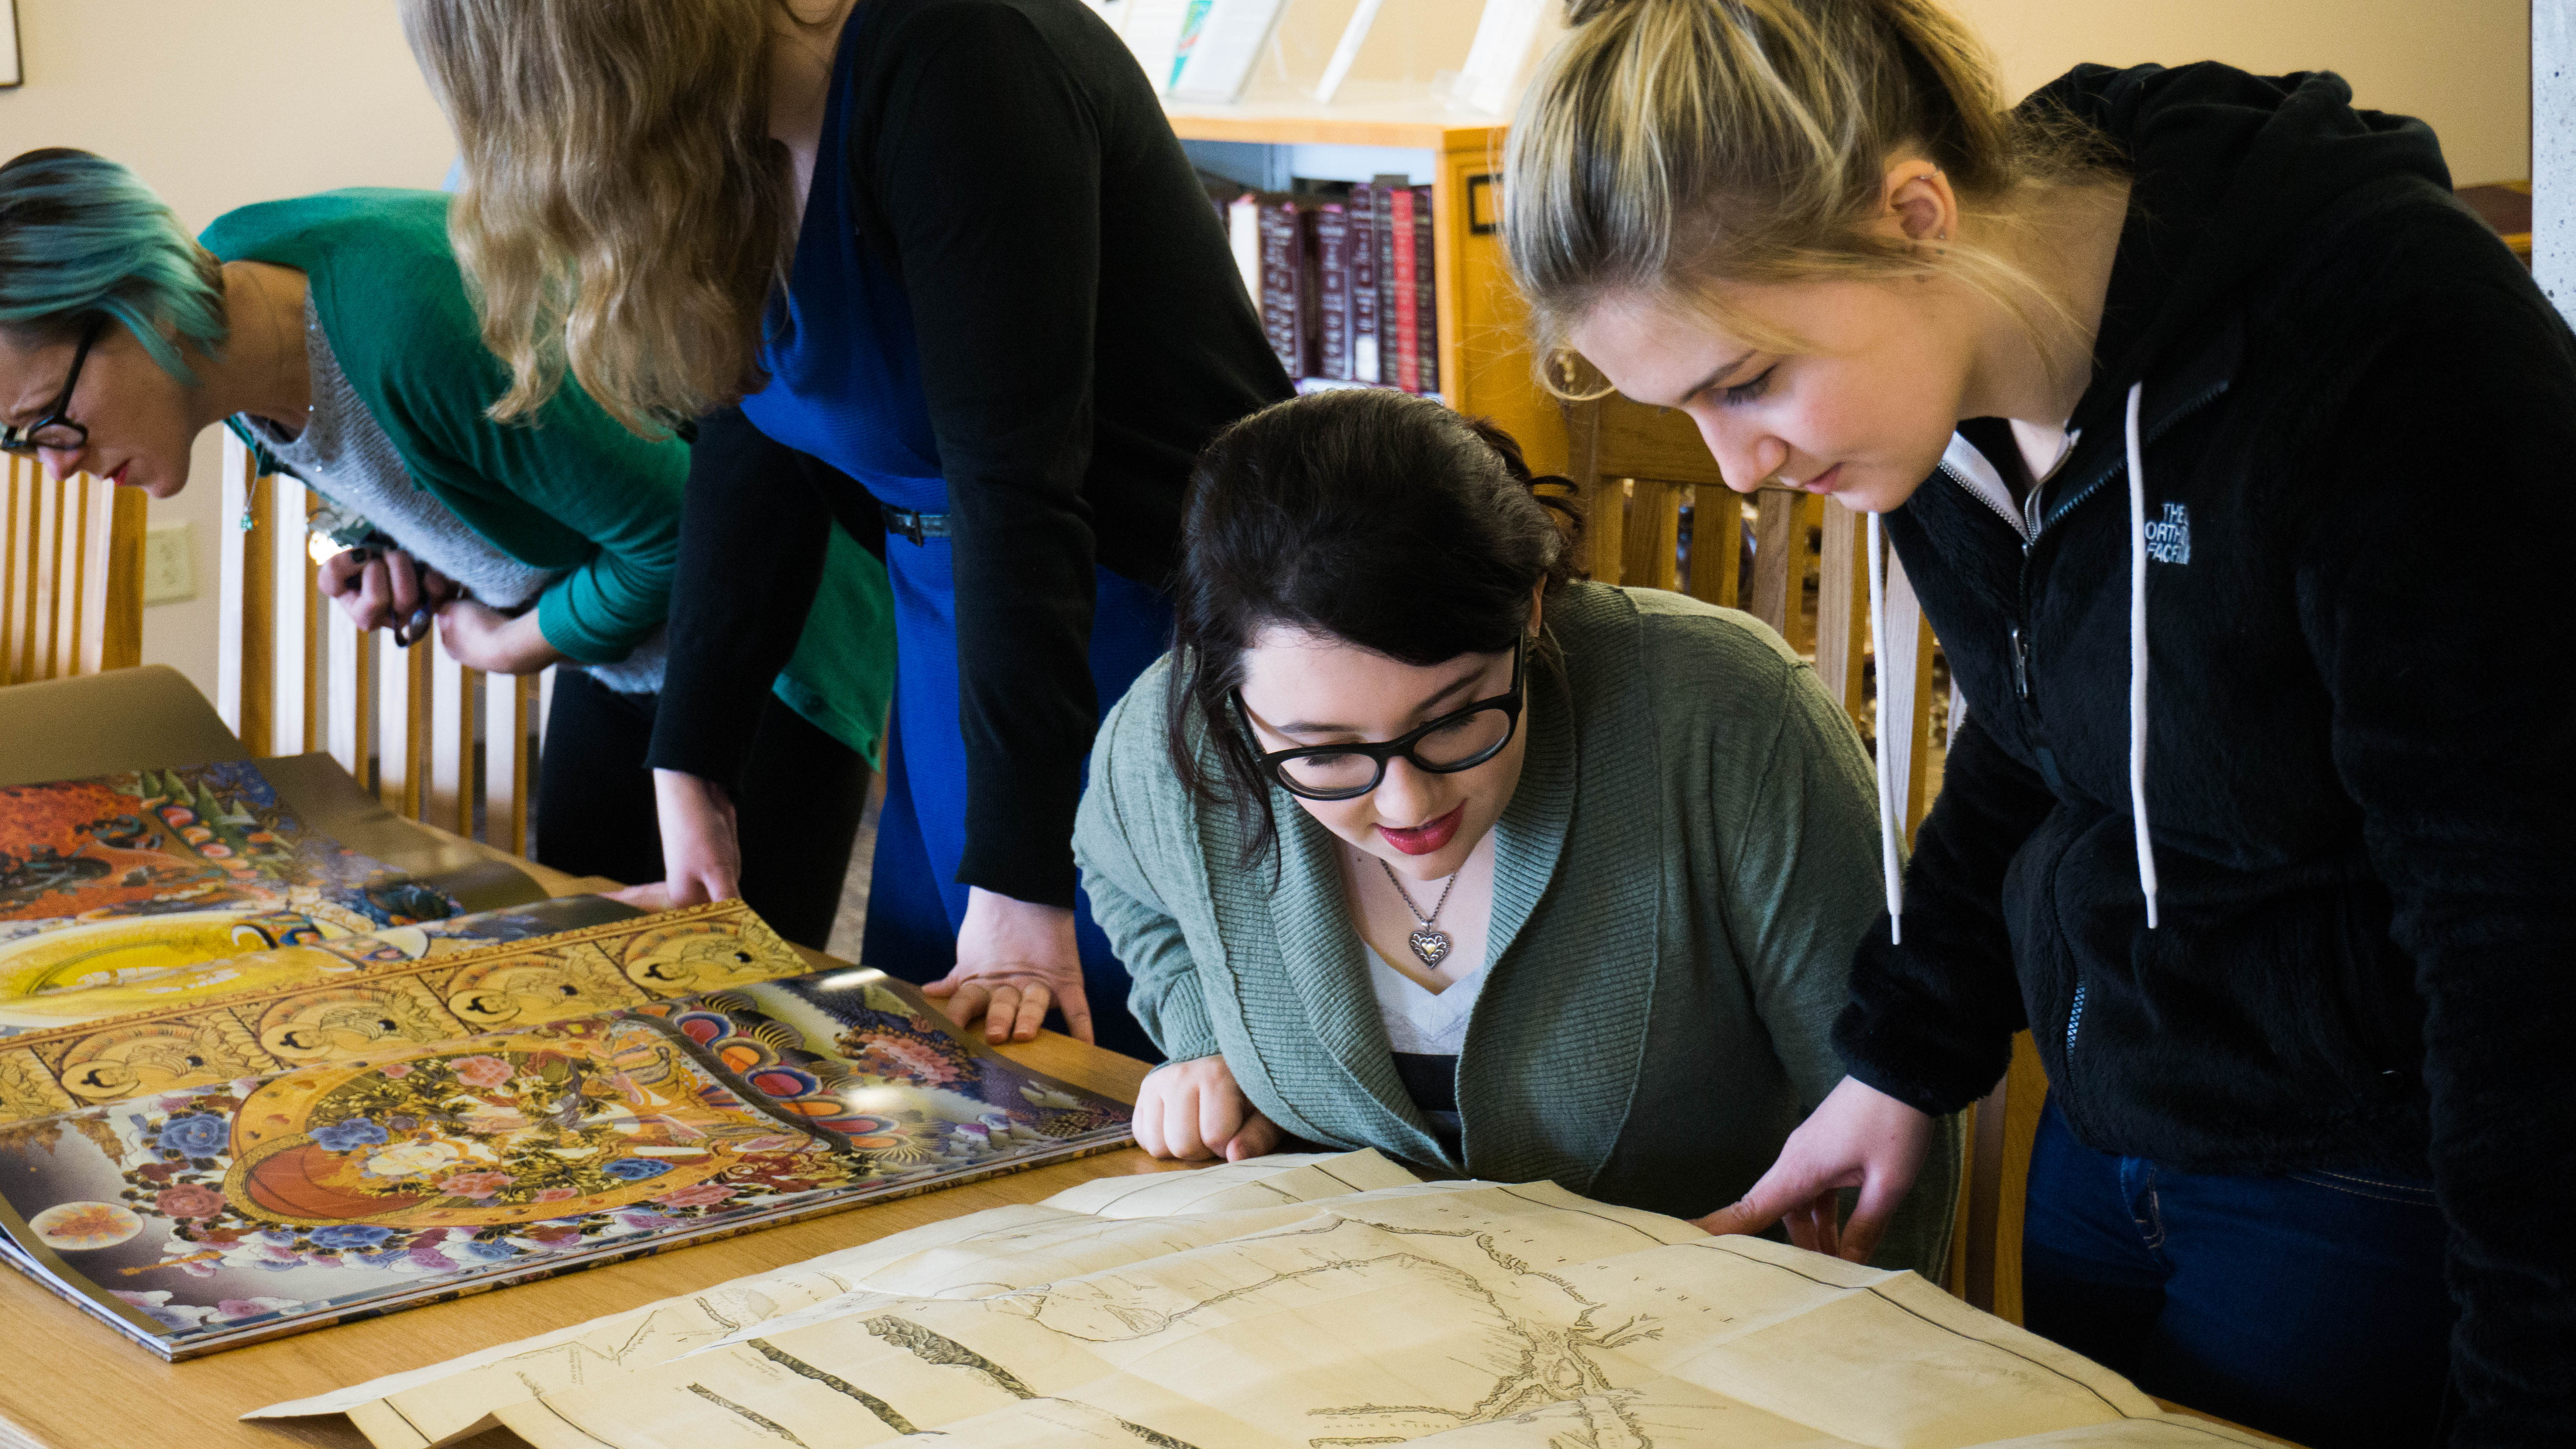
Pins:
x: 11, y: 72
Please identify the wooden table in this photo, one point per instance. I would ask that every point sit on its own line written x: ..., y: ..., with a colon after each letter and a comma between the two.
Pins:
x: 71, y: 1383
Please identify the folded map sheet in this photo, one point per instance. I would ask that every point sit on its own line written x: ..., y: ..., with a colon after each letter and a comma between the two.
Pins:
x: 1288, y: 1303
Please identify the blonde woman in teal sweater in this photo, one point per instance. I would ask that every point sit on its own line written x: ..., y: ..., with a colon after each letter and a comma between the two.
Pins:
x: 333, y: 334
x: 1415, y: 842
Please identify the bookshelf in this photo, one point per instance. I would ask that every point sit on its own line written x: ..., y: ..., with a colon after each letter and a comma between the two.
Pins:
x: 1484, y: 356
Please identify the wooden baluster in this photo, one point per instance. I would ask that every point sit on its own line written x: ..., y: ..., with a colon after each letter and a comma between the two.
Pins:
x: 1605, y: 530
x: 246, y: 606
x: 45, y: 608
x: 120, y: 632
x: 402, y: 723
x: 509, y: 707
x: 451, y: 696
x: 1651, y: 553
x: 317, y: 633
x: 1583, y: 469
x: 290, y: 635
x: 1777, y: 552
x: 13, y: 564
x: 1842, y: 613
x: 73, y: 574
x: 351, y: 689
x: 1717, y: 544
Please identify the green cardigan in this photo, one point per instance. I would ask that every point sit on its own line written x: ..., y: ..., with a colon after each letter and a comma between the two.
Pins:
x: 1679, y: 882
x: 576, y: 492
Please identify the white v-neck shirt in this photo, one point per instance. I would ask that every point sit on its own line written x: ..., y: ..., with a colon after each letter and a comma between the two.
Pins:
x: 1419, y: 1021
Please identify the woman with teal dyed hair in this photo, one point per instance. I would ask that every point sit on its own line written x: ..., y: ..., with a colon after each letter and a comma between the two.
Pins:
x: 333, y: 333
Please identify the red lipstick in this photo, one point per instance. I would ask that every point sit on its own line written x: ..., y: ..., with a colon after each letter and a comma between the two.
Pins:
x: 1424, y: 839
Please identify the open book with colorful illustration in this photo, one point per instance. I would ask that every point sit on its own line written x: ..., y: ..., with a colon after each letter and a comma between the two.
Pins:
x: 254, y: 1081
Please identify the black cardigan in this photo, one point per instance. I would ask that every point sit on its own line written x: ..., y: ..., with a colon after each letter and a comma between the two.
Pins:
x: 2358, y: 771
x: 1015, y: 166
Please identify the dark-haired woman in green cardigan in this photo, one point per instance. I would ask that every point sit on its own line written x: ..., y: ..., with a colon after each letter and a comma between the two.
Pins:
x: 1416, y: 843
x: 334, y: 334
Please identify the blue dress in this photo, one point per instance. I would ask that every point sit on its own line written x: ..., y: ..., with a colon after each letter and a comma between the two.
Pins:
x: 845, y: 386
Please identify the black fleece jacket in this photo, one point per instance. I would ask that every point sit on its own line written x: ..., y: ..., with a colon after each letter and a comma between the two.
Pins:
x: 2360, y: 449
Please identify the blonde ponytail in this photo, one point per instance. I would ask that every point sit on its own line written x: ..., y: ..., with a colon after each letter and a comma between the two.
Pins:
x: 1668, y: 145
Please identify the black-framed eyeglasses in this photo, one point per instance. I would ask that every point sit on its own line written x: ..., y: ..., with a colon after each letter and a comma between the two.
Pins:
x: 1460, y: 740
x: 51, y: 429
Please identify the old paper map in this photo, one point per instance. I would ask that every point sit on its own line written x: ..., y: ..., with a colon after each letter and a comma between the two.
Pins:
x: 1304, y: 1302
x: 449, y: 1400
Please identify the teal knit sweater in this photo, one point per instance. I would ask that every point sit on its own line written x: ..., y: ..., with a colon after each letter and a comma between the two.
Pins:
x: 1679, y: 882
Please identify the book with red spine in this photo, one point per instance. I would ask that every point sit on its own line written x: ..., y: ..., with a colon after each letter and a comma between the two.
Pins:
x: 1365, y: 331
x: 1403, y: 238
x: 1333, y: 292
x: 1288, y: 283
x: 1426, y: 297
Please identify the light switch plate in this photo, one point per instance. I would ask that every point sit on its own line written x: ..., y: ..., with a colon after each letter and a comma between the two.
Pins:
x: 169, y: 565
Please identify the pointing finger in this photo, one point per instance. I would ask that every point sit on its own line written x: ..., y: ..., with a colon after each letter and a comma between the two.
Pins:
x: 1760, y: 1207
x: 1880, y: 1195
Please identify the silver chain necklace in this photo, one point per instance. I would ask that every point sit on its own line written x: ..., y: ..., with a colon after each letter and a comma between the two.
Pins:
x: 1428, y: 941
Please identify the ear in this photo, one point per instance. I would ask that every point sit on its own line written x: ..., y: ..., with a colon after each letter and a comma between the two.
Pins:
x: 1538, y: 606
x: 1916, y: 203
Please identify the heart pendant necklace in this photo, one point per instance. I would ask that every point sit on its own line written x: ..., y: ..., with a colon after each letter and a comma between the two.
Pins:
x: 1429, y: 942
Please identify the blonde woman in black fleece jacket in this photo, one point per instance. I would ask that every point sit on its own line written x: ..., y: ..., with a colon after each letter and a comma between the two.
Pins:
x: 2155, y: 383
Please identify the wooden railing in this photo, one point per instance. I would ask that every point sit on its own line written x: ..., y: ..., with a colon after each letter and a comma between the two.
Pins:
x: 1658, y: 513
x: 440, y: 743
x: 71, y: 574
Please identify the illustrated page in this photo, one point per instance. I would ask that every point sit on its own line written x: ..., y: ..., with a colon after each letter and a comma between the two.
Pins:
x: 277, y: 1010
x: 393, y: 1167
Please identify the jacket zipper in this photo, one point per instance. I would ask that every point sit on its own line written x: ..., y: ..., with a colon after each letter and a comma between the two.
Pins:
x: 2029, y: 530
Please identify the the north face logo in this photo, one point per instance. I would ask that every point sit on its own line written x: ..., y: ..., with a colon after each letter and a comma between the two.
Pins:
x: 2169, y: 538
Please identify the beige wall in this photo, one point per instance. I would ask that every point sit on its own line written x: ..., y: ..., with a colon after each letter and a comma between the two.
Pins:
x: 217, y: 103
x: 2463, y: 65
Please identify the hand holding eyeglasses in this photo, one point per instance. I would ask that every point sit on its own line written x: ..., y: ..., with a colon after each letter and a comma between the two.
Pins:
x: 387, y: 589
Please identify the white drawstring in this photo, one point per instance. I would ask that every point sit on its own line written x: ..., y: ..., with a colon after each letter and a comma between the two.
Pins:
x: 2137, y: 656
x: 1887, y: 857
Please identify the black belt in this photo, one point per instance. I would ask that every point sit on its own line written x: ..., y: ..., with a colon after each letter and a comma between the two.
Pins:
x: 906, y: 524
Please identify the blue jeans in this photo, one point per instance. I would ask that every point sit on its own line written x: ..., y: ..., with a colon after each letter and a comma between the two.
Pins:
x: 2310, y: 1305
